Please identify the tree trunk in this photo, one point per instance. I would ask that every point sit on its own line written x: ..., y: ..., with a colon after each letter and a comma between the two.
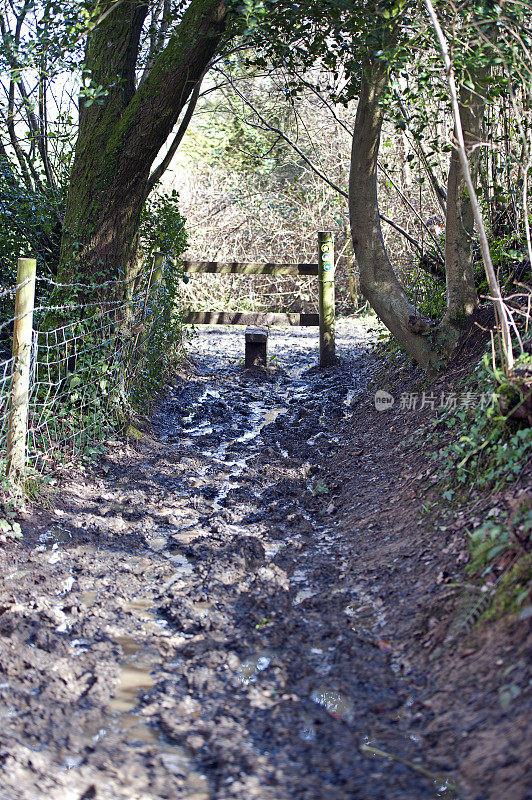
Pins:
x: 459, y: 222
x: 378, y: 281
x: 119, y: 139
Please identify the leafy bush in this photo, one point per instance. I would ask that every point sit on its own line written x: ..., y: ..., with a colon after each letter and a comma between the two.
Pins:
x: 162, y: 340
x: 162, y: 228
x: 30, y: 227
x: 99, y: 360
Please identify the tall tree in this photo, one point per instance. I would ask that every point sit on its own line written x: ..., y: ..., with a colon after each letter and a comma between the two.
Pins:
x: 123, y: 129
x: 378, y: 281
x: 371, y: 40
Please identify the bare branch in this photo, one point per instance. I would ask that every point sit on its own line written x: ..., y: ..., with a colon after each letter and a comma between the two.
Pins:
x: 158, y: 172
x: 281, y: 134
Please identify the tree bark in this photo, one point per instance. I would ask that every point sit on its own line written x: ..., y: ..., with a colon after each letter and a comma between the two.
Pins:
x: 378, y: 281
x: 120, y: 138
x: 460, y: 235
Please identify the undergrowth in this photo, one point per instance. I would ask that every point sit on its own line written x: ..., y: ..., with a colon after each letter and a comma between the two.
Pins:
x: 481, y: 449
x: 99, y: 360
x: 488, y: 448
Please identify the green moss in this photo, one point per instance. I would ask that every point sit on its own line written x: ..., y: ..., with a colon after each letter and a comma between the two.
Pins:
x: 512, y: 591
x: 136, y: 433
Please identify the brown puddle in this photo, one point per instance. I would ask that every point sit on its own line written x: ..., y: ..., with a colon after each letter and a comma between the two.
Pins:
x: 89, y: 598
x: 138, y: 604
x: 133, y: 679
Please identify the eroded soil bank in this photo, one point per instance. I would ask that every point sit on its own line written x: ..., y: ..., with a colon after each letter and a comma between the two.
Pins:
x: 245, y: 601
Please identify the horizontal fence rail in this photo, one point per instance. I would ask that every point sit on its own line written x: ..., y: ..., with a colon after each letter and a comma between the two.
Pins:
x: 245, y: 318
x: 323, y: 270
x: 249, y: 268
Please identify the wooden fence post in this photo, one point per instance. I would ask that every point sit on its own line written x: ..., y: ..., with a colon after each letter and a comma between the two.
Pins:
x: 326, y: 297
x: 20, y: 381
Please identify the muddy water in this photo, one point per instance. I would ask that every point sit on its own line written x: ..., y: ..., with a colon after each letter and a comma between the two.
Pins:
x: 193, y: 600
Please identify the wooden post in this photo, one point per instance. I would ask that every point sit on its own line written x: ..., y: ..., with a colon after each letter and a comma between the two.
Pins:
x: 326, y: 297
x: 20, y: 381
x: 256, y: 352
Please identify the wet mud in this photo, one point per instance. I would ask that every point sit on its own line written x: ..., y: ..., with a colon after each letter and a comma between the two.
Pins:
x: 177, y: 626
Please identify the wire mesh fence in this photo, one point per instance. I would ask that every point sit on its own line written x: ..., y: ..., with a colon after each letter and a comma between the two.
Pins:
x: 89, y: 360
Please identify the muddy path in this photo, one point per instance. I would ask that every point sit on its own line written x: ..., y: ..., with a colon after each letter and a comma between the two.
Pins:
x: 176, y: 625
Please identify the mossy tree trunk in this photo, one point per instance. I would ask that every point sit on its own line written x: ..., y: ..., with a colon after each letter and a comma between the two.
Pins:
x: 460, y: 236
x: 378, y: 281
x: 120, y: 137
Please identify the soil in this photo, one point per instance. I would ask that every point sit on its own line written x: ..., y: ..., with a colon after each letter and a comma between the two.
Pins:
x: 256, y: 598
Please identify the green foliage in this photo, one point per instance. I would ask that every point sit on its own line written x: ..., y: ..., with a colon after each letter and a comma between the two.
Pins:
x: 514, y: 589
x: 100, y: 356
x: 487, y: 449
x: 77, y: 378
x: 10, y: 530
x: 318, y: 487
x: 30, y: 221
x: 105, y: 364
x: 162, y: 228
x: 428, y: 295
x: 509, y: 256
x: 497, y: 535
x: 503, y: 250
x: 247, y: 15
x: 161, y: 345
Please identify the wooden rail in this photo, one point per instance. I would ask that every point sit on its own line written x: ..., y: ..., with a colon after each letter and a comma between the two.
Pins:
x: 242, y: 318
x: 323, y: 270
x: 250, y: 268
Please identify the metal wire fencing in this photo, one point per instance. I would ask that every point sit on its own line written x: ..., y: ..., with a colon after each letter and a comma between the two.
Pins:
x: 90, y: 360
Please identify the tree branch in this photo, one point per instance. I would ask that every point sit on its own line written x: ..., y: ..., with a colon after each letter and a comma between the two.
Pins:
x: 309, y: 163
x: 158, y: 172
x: 439, y: 190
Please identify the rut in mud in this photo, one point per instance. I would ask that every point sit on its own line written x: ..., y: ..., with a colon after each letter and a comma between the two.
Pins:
x: 178, y: 627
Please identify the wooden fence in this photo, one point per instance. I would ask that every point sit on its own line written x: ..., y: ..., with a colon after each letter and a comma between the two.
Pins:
x: 17, y: 369
x: 323, y: 270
